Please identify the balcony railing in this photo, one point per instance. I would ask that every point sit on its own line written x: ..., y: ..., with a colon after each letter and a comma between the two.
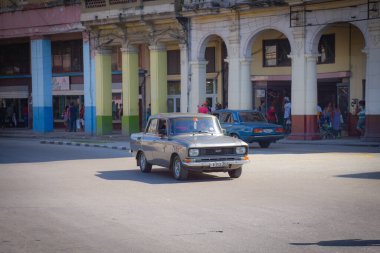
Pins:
x: 18, y: 5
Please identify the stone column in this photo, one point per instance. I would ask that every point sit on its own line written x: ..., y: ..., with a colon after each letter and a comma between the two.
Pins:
x: 89, y: 86
x: 198, y: 85
x: 372, y: 87
x: 42, y: 85
x: 103, y: 91
x: 246, y: 84
x: 158, y: 75
x: 130, y: 69
x: 311, y: 98
x: 234, y: 87
x: 184, y: 77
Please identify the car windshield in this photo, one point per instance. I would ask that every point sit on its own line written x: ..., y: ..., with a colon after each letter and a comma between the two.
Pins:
x: 251, y: 117
x: 191, y: 125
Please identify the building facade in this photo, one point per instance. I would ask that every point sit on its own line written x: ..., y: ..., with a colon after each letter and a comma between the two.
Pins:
x: 138, y: 57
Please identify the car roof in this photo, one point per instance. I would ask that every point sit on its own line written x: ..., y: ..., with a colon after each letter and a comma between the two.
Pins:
x: 179, y: 115
x: 231, y: 110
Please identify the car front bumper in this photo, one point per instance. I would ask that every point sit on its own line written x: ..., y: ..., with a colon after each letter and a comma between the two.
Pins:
x: 214, y: 166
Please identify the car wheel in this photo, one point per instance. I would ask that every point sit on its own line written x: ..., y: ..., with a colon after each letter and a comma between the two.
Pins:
x: 264, y: 144
x: 235, y: 173
x: 235, y: 136
x: 145, y: 166
x: 179, y: 172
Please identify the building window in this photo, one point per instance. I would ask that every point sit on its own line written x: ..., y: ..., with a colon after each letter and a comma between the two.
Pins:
x: 174, y: 62
x: 276, y: 53
x: 116, y: 60
x: 326, y: 49
x: 67, y: 56
x: 15, y: 59
x: 210, y: 57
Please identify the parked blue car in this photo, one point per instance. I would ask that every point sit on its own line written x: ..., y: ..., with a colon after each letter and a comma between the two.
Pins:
x: 249, y: 126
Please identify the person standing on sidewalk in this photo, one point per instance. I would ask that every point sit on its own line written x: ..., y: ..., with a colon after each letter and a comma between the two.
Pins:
x: 73, y: 117
x: 66, y: 118
x: 287, y: 115
x: 360, y: 111
x: 336, y: 122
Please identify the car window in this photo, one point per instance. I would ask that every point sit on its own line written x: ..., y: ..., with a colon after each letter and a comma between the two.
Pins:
x: 162, y: 127
x: 225, y: 117
x: 251, y: 117
x: 152, y: 127
x: 194, y: 125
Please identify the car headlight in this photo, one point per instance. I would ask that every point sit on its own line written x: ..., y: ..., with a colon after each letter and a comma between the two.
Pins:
x: 194, y: 152
x: 241, y: 150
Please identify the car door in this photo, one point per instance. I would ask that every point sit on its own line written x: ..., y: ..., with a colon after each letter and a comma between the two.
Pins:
x: 149, y: 139
x: 162, y: 144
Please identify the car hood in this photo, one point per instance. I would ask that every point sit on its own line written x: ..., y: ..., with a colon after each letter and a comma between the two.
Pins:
x: 207, y: 140
x: 259, y: 124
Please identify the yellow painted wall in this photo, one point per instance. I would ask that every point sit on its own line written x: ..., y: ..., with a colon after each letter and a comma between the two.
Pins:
x: 342, y: 52
x: 358, y: 64
x: 342, y: 36
x: 257, y: 55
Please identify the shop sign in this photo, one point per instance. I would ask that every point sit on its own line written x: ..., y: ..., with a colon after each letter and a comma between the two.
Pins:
x: 61, y: 83
x: 260, y: 93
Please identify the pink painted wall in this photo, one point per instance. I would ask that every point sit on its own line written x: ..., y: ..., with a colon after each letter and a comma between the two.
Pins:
x: 40, y: 21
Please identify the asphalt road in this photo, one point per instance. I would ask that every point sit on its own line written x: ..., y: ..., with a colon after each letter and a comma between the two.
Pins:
x: 290, y: 198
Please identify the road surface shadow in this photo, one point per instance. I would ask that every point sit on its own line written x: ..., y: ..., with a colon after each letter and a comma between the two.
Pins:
x: 367, y: 175
x: 160, y: 176
x: 343, y: 243
x: 283, y: 149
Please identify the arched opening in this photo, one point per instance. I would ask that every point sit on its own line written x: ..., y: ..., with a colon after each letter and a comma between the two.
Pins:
x: 341, y: 73
x: 214, y: 89
x: 270, y: 70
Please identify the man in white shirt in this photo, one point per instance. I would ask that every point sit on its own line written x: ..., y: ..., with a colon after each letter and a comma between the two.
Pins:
x: 287, y: 114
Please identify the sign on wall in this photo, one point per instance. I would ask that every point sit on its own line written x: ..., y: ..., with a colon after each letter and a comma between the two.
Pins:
x: 260, y: 93
x: 61, y: 83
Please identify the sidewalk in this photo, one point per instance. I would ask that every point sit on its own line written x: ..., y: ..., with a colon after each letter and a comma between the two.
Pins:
x: 118, y: 141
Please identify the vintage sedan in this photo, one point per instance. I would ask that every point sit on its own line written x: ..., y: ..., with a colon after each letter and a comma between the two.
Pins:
x: 249, y: 126
x: 186, y: 142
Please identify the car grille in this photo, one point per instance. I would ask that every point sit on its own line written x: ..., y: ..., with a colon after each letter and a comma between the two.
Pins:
x: 217, y: 151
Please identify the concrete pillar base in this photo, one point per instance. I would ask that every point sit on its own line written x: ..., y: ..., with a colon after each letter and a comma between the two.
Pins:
x: 372, y: 130
x: 304, y: 127
x: 130, y: 125
x: 103, y: 125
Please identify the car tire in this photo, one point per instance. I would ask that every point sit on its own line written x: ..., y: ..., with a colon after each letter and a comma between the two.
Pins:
x: 235, y: 173
x: 264, y: 144
x: 179, y: 172
x: 145, y: 166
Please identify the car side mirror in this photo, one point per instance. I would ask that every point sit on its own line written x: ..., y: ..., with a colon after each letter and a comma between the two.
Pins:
x: 224, y: 131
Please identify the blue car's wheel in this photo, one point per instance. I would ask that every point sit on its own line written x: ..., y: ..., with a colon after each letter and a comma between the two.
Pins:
x: 264, y: 144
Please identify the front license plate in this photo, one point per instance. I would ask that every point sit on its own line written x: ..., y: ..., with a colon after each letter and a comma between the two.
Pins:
x: 217, y: 164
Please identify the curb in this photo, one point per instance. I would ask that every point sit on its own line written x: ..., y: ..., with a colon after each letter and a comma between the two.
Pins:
x: 78, y: 144
x: 373, y: 145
